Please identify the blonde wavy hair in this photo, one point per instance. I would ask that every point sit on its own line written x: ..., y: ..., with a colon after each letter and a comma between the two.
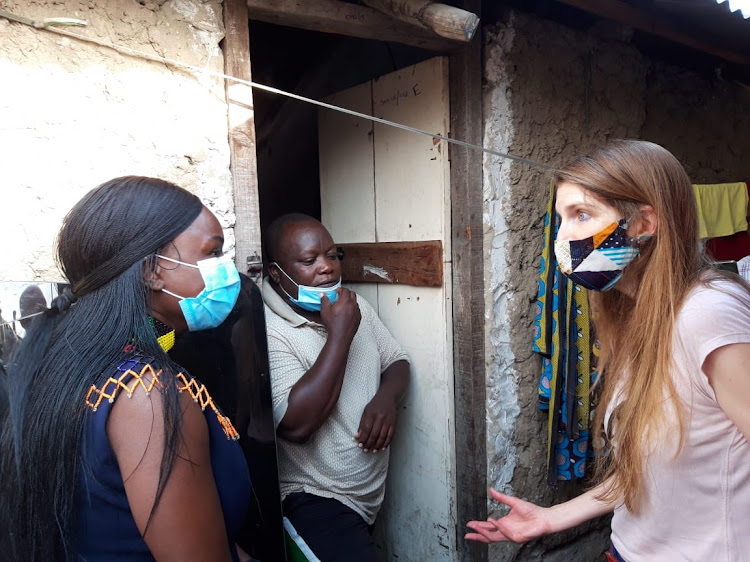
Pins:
x: 636, y: 332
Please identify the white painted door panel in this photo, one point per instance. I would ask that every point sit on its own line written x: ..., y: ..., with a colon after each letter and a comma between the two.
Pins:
x: 347, y: 167
x: 411, y: 171
x: 380, y: 184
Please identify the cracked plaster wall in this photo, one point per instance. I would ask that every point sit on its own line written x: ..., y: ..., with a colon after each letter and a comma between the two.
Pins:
x: 75, y: 114
x: 551, y: 93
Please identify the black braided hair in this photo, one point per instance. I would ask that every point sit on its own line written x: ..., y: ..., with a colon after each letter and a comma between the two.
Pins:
x: 61, y: 303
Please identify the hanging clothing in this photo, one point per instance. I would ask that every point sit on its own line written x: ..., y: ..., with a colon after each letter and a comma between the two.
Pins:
x: 722, y: 208
x: 564, y: 338
x: 733, y: 247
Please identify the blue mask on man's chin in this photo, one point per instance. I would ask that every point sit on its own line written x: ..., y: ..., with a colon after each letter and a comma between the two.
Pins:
x: 308, y: 298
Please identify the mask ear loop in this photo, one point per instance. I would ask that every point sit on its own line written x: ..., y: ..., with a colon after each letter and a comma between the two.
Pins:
x: 286, y: 275
x: 291, y: 298
x: 158, y: 254
x: 638, y: 241
x: 171, y: 294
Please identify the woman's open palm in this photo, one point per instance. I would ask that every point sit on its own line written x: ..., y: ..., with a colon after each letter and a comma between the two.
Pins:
x: 525, y: 521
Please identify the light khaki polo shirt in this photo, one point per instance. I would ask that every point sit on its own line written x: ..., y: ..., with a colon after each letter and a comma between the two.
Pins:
x: 330, y: 464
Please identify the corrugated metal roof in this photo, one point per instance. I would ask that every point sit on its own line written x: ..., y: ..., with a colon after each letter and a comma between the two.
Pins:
x: 742, y: 5
x: 709, y: 21
x: 709, y: 29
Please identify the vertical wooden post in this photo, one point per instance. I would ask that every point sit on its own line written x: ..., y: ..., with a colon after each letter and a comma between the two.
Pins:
x: 468, y: 291
x: 243, y: 160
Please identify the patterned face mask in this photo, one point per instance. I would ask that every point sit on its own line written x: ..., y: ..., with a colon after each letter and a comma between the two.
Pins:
x: 597, y: 262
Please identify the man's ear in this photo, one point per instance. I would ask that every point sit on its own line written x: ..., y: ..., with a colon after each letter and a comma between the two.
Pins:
x: 273, y: 272
x: 647, y: 223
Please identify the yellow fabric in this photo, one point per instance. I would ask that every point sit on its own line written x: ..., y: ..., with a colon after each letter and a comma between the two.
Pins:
x: 722, y: 208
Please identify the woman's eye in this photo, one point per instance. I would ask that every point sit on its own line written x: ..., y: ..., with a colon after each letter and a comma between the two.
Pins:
x: 217, y: 252
x: 583, y: 216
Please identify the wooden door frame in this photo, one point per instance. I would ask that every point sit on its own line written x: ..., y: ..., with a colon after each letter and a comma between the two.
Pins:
x: 467, y: 248
x: 243, y: 163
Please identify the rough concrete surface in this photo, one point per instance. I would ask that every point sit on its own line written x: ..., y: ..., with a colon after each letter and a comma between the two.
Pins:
x: 551, y: 93
x: 75, y: 114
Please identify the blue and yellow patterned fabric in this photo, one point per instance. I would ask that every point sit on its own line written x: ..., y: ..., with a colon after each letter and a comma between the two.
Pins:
x: 564, y: 338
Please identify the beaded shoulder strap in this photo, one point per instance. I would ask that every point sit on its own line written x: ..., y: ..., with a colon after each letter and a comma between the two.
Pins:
x: 137, y: 373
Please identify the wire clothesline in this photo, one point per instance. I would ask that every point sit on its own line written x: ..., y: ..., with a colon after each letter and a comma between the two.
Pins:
x: 9, y: 322
x: 49, y: 24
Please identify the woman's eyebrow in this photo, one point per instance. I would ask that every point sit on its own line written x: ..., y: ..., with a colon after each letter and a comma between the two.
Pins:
x: 572, y: 205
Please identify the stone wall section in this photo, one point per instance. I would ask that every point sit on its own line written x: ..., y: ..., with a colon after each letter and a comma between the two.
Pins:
x: 76, y: 114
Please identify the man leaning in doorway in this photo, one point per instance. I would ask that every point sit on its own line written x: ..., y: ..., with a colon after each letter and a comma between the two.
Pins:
x: 337, y: 377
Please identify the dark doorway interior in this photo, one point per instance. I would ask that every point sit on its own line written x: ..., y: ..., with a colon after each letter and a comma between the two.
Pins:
x: 313, y: 65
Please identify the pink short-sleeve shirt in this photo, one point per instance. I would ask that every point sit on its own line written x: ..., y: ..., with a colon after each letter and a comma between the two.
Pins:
x: 697, y: 504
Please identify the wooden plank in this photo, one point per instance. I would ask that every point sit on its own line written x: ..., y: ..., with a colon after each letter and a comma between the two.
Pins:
x: 243, y: 159
x: 446, y: 21
x: 408, y: 263
x: 465, y: 80
x: 651, y: 23
x: 343, y: 18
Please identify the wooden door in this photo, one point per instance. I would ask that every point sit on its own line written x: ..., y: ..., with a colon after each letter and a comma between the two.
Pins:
x: 382, y: 184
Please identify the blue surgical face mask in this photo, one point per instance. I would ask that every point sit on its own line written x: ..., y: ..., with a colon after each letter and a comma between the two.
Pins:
x: 308, y: 298
x: 214, y: 303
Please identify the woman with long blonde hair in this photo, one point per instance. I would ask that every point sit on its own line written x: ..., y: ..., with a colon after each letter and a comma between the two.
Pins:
x: 675, y: 354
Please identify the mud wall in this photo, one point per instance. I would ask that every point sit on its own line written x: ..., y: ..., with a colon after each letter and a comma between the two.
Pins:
x: 76, y: 114
x: 551, y: 93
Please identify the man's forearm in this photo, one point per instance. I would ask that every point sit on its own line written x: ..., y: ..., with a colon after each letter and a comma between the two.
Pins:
x: 316, y: 393
x: 395, y: 380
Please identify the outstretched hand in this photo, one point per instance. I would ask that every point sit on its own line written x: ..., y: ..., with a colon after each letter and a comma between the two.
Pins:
x: 525, y: 521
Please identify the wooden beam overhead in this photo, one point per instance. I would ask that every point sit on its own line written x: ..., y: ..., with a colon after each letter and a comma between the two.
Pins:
x: 651, y: 23
x: 353, y: 20
x: 446, y: 21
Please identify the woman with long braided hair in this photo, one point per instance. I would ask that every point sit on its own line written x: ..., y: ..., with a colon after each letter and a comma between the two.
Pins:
x: 108, y: 450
